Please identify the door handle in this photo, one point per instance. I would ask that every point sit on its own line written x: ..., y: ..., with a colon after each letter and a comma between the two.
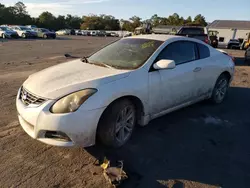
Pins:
x: 197, y: 69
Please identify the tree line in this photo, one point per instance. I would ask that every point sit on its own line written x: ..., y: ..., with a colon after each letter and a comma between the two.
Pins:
x: 18, y: 15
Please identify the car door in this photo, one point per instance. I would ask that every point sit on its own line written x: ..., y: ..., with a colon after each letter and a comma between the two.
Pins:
x: 40, y: 33
x: 207, y: 71
x: 177, y: 85
x: 1, y: 32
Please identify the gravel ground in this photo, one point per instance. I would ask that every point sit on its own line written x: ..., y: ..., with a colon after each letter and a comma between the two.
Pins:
x: 199, y: 146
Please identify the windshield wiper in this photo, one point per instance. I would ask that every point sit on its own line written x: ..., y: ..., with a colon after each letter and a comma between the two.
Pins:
x: 83, y: 59
x: 101, y: 64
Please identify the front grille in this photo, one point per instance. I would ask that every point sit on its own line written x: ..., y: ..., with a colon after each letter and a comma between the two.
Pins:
x: 27, y: 98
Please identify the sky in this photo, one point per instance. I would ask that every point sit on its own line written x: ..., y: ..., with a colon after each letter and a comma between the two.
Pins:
x: 124, y: 9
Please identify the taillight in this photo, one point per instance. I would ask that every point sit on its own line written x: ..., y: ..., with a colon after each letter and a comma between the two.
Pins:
x: 206, y: 40
x: 233, y: 58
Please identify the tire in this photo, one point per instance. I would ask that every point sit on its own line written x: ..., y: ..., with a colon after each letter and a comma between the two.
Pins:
x: 230, y: 46
x: 3, y: 36
x: 45, y: 36
x: 220, y: 89
x: 23, y: 36
x: 117, y: 124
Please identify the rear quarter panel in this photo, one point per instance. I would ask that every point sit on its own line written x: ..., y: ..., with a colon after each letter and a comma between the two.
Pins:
x: 222, y: 63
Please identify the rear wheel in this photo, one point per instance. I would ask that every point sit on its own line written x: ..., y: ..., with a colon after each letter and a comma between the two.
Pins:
x: 23, y: 35
x: 220, y: 89
x: 3, y: 36
x: 45, y: 36
x: 117, y: 123
x: 230, y: 46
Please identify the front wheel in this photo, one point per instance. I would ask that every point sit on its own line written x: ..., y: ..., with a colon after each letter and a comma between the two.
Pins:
x: 23, y: 36
x: 45, y: 36
x: 220, y: 89
x: 117, y: 124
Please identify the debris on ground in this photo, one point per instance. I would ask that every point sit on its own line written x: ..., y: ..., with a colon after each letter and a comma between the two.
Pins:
x: 115, y: 175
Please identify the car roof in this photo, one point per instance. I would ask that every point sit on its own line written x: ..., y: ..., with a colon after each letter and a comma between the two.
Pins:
x: 157, y: 37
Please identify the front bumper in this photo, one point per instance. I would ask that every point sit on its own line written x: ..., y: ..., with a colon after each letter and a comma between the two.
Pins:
x: 52, y: 35
x: 80, y: 126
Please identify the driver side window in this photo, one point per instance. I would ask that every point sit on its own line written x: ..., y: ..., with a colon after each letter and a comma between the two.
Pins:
x: 180, y: 52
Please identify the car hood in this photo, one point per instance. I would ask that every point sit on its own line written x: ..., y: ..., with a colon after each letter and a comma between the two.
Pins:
x: 65, y: 78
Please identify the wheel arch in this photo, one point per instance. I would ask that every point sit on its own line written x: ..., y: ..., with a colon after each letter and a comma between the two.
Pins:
x: 227, y: 74
x: 140, y: 109
x: 135, y: 100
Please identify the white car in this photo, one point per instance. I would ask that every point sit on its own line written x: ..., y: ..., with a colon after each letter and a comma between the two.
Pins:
x: 114, y: 34
x: 24, y: 32
x: 128, y: 82
x: 63, y: 32
x: 93, y: 33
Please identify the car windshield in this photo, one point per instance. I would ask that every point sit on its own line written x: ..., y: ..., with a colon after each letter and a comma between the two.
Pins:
x: 128, y: 53
x: 194, y: 31
x: 45, y: 30
x: 4, y: 28
x: 25, y: 28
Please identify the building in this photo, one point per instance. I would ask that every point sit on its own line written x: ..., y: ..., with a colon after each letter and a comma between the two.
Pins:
x: 229, y: 29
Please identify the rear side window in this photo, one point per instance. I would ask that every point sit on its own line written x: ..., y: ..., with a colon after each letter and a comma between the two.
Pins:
x: 180, y: 52
x: 194, y: 31
x: 203, y: 51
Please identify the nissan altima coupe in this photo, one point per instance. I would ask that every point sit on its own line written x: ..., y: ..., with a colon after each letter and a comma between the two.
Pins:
x: 127, y: 83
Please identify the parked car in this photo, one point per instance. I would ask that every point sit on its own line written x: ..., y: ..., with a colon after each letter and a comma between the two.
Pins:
x: 108, y: 34
x: 32, y: 26
x: 233, y: 44
x: 72, y: 32
x: 5, y: 32
x: 101, y: 33
x: 247, y: 56
x: 63, y: 32
x: 106, y: 94
x: 93, y: 33
x: 114, y: 34
x: 78, y: 32
x: 84, y: 33
x: 128, y: 34
x: 88, y: 33
x: 200, y: 33
x: 45, y: 33
x: 24, y: 31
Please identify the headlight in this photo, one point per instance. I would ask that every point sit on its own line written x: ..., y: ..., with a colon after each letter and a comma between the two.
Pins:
x: 72, y: 102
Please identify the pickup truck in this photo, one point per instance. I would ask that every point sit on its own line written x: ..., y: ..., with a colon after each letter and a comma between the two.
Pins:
x: 197, y: 32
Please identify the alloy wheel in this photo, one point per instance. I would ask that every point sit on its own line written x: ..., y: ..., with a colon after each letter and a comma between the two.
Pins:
x: 124, y: 124
x: 221, y: 89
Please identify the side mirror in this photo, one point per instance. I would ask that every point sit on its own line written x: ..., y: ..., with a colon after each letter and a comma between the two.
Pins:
x: 164, y: 64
